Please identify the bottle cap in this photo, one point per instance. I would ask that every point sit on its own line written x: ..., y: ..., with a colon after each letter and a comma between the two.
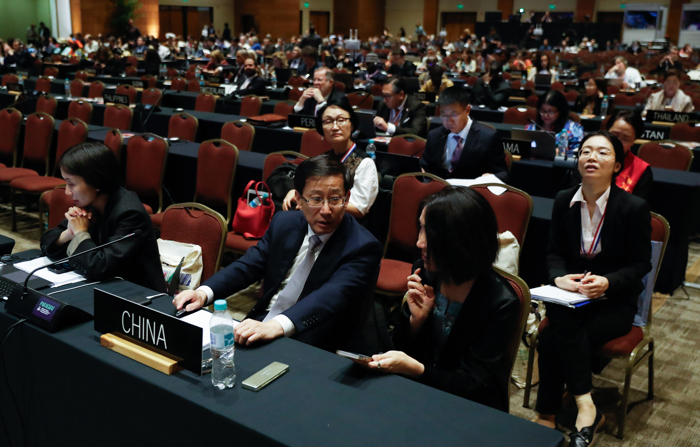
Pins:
x: 220, y: 305
x: 371, y: 141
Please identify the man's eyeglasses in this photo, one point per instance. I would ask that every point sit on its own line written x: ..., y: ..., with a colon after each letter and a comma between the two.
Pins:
x: 317, y: 202
x: 451, y: 116
x: 341, y: 121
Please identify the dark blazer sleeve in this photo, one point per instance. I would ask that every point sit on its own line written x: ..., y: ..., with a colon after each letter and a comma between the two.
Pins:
x: 432, y: 159
x: 415, y: 122
x: 643, y: 187
x: 495, y: 156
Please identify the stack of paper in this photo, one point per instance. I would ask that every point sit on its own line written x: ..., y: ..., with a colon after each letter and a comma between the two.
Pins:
x: 555, y: 295
x: 54, y: 278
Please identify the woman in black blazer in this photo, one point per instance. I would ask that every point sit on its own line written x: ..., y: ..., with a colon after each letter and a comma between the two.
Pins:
x: 600, y: 244
x: 454, y: 332
x: 104, y: 211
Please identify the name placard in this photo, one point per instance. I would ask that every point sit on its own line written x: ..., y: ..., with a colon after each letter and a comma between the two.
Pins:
x: 425, y: 96
x: 517, y: 147
x: 116, y: 98
x: 295, y: 120
x: 668, y: 116
x: 214, y: 79
x: 138, y: 83
x: 161, y: 332
x: 23, y: 73
x: 657, y: 133
x: 220, y: 91
x: 14, y: 87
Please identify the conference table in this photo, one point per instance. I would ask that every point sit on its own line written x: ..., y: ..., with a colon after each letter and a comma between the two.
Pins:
x: 71, y: 391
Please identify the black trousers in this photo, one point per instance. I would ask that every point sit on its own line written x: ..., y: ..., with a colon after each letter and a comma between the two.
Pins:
x: 565, y: 347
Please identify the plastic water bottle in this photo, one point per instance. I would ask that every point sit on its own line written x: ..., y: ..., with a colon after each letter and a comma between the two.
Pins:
x: 256, y: 201
x: 67, y: 84
x: 604, y: 106
x: 20, y: 81
x: 371, y: 149
x: 562, y: 143
x: 223, y: 374
x: 273, y: 80
x: 163, y: 71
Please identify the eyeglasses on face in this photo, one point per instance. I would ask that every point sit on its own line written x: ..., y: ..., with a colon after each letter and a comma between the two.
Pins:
x: 451, y: 116
x: 328, y: 123
x: 317, y: 202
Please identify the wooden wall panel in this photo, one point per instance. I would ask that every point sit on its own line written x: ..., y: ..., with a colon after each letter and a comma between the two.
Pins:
x: 430, y: 16
x: 345, y: 16
x: 280, y: 18
x: 675, y: 13
x: 506, y: 8
x: 584, y: 8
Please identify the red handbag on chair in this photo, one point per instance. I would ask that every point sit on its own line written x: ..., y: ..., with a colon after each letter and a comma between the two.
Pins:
x: 252, y: 221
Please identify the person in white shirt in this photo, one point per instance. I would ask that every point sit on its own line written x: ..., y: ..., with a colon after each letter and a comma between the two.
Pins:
x: 630, y: 76
x: 671, y: 96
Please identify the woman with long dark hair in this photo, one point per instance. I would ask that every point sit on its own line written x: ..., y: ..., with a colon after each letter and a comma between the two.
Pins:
x: 553, y: 116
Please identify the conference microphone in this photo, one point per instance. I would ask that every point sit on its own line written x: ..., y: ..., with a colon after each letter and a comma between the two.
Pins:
x: 25, y: 289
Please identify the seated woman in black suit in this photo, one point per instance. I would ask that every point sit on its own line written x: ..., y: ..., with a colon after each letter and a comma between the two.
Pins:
x: 599, y: 245
x: 454, y: 332
x: 590, y: 100
x: 104, y: 211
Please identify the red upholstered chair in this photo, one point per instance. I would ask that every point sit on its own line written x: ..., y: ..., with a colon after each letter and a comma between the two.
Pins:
x: 685, y: 132
x: 239, y: 134
x: 531, y: 101
x: 197, y: 224
x: 114, y: 141
x: 118, y: 117
x: 613, y: 90
x: 43, y: 84
x: 575, y: 117
x: 51, y: 71
x: 96, y: 90
x: 623, y: 99
x: 9, y: 78
x: 400, y: 247
x: 339, y: 86
x: 235, y: 242
x: 557, y: 86
x: 193, y: 86
x: 376, y: 90
x: 571, y: 96
x: 513, y: 209
x: 151, y: 96
x: 666, y: 154
x: 515, y: 85
x: 284, y: 108
x: 206, y: 102
x: 146, y: 155
x: 411, y: 145
x: 216, y: 168
x: 172, y: 73
x: 82, y: 75
x: 313, y: 144
x: 76, y: 88
x: 519, y: 115
x: 150, y: 80
x: 530, y: 85
x: 190, y: 75
x: 71, y: 132
x: 58, y: 203
x: 295, y: 94
x: 361, y: 100
x: 183, y: 126
x: 471, y: 81
x: 128, y: 90
x: 10, y: 124
x: 131, y: 72
x: 81, y: 110
x: 295, y: 81
x: 132, y: 61
x: 178, y: 84
x: 250, y: 106
x: 46, y: 104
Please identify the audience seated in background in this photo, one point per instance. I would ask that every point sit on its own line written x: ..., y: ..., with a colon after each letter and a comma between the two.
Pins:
x: 323, y: 91
x: 671, y: 97
x: 399, y: 113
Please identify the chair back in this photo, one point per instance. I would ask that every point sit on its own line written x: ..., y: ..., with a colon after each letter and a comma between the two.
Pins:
x: 178, y: 84
x: 295, y: 94
x: 193, y: 85
x: 513, y: 209
x: 152, y: 96
x: 666, y: 154
x: 275, y: 159
x: 9, y: 78
x: 519, y: 115
x: 509, y: 159
x: 216, y: 169
x: 573, y: 116
x: 361, y: 100
x: 114, y: 141
x: 152, y: 81
x: 51, y: 71
x: 193, y: 223
x: 409, y: 190
x: 411, y: 145
x: 239, y: 134
x: 183, y: 126
x: 128, y: 90
x: 146, y: 155
x: 313, y: 144
x: 38, y: 134
x: 571, y: 96
x: 295, y: 81
x: 206, y: 102
x: 172, y: 73
x: 10, y: 124
x: 46, y: 104
x: 43, y: 84
x: 76, y: 88
x: 96, y: 90
x: 71, y: 132
x: 81, y: 110
x: 613, y: 90
x: 515, y: 85
x: 82, y: 75
x: 623, y: 99
x: 685, y: 132
x: 376, y: 90
x: 558, y: 86
x: 118, y: 117
x: 132, y: 61
x: 190, y: 75
x: 660, y: 232
x: 531, y: 101
x: 250, y: 106
x: 339, y: 86
x: 284, y: 108
x: 59, y: 204
x: 131, y: 72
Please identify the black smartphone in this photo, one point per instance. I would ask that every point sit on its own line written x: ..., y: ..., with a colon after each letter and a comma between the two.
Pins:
x: 63, y: 267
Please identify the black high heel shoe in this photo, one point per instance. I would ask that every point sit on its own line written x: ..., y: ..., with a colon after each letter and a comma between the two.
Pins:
x: 586, y: 436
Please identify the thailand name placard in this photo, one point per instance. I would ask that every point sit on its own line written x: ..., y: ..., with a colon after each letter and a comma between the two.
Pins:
x: 670, y: 116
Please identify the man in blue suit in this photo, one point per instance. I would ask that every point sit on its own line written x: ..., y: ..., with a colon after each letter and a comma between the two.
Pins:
x: 316, y: 264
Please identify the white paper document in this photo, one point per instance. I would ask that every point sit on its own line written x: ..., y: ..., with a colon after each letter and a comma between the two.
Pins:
x: 54, y: 278
x: 484, y: 179
x: 201, y: 319
x: 552, y: 294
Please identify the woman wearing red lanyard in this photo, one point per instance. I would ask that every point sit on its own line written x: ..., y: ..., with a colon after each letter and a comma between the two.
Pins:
x: 599, y: 245
x: 337, y: 123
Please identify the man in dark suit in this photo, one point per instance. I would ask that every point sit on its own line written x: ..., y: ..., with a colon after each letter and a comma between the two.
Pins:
x: 317, y: 96
x: 400, y: 114
x: 316, y: 264
x: 251, y: 84
x: 312, y: 39
x: 399, y: 65
x: 310, y: 63
x: 462, y: 148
